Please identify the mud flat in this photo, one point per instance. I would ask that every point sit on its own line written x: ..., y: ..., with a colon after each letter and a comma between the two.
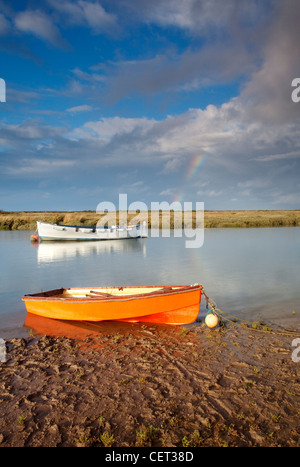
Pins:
x: 132, y: 385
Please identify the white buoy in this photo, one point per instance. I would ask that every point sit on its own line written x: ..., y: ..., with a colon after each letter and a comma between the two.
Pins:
x: 211, y: 320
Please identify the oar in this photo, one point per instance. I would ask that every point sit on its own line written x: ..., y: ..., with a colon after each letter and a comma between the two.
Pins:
x: 101, y: 294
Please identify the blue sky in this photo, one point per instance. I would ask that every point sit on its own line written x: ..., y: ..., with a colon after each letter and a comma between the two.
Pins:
x: 164, y: 100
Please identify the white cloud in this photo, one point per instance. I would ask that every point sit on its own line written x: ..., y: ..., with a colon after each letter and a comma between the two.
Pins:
x: 168, y: 192
x: 29, y: 130
x: 79, y: 108
x: 108, y: 128
x: 172, y: 71
x: 293, y: 199
x: 92, y: 77
x: 209, y: 193
x: 251, y: 142
x: 254, y: 183
x: 200, y: 17
x: 281, y: 156
x: 96, y: 16
x: 267, y: 95
x: 40, y: 24
x: 4, y: 25
x: 172, y: 165
x: 224, y: 133
x: 85, y: 13
x: 34, y: 166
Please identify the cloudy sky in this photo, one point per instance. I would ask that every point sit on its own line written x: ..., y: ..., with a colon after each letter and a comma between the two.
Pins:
x: 164, y: 100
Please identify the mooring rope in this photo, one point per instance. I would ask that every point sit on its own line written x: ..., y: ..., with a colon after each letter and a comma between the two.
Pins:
x: 223, y: 316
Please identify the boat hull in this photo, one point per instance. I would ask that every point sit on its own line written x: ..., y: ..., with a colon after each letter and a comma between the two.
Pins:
x: 55, y: 232
x: 169, y: 305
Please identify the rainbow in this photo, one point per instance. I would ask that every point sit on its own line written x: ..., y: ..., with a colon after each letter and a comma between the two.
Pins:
x: 194, y: 166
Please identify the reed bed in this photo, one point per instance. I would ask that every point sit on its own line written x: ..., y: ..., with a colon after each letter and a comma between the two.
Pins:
x: 212, y: 219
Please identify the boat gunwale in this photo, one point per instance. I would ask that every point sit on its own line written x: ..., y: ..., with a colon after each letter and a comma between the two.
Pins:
x: 44, y: 296
x: 76, y: 239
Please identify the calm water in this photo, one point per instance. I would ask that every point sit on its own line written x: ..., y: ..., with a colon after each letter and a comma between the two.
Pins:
x: 248, y: 272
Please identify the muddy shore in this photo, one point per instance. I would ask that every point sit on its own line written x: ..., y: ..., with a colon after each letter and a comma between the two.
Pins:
x: 131, y: 385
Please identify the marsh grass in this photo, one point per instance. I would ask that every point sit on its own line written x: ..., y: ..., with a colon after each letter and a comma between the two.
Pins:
x: 107, y: 439
x: 146, y: 435
x: 212, y: 219
x: 21, y: 420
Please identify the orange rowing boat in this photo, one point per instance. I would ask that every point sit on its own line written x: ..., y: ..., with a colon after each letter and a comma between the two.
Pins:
x: 157, y: 304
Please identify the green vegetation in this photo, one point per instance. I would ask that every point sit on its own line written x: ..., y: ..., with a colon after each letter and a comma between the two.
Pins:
x: 145, y: 435
x: 244, y: 219
x: 212, y: 219
x: 21, y: 420
x: 107, y: 439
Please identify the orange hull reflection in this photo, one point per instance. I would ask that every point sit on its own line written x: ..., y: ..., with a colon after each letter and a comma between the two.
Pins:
x: 76, y: 330
x: 57, y: 328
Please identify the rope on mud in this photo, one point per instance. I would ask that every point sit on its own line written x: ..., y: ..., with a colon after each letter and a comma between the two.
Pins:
x: 227, y: 317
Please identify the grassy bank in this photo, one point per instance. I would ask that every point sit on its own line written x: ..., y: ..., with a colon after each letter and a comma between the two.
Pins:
x: 212, y: 219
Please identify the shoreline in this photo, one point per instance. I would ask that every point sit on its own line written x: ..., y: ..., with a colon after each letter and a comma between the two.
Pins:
x: 157, y: 219
x: 123, y: 385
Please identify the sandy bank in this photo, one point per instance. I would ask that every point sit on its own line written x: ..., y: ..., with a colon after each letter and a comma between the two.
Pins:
x: 146, y: 385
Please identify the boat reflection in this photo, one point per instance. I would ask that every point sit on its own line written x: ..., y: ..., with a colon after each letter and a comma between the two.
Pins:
x: 61, y: 251
x: 77, y: 330
x: 89, y: 333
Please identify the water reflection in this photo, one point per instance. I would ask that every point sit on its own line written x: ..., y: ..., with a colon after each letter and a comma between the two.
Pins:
x: 90, y: 333
x: 61, y: 251
x: 56, y: 328
x: 245, y: 271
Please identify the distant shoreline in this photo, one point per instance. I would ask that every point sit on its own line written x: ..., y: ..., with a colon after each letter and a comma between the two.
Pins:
x: 26, y: 220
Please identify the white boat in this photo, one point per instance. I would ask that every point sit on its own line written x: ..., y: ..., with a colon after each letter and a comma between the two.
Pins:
x: 52, y: 232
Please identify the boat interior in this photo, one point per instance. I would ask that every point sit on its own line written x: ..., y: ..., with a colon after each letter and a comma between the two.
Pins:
x: 106, y: 292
